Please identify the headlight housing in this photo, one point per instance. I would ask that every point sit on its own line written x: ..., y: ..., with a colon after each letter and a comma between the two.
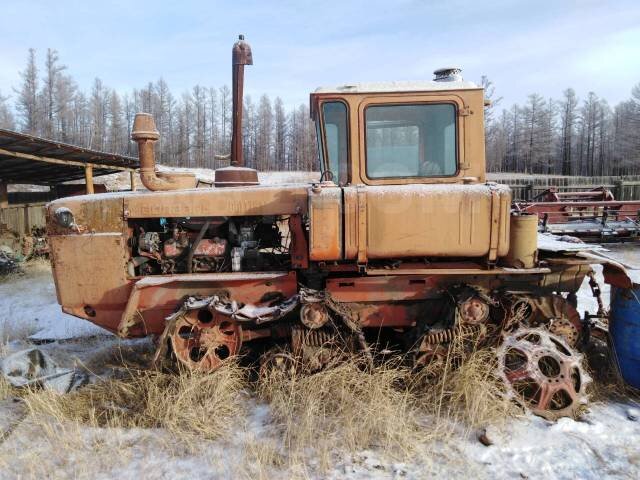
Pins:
x: 64, y: 217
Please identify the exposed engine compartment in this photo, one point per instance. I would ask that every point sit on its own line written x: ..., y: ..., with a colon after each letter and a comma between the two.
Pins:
x: 201, y: 245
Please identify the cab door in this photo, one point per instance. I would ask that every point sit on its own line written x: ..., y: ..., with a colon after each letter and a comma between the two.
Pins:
x: 414, y: 199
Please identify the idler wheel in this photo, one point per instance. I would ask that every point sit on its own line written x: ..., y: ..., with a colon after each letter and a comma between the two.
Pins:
x: 473, y: 311
x: 543, y: 373
x: 202, y: 341
x: 314, y: 315
x: 278, y: 363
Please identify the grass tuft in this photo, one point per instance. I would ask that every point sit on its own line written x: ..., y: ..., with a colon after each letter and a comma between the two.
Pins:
x: 343, y: 408
x: 189, y: 405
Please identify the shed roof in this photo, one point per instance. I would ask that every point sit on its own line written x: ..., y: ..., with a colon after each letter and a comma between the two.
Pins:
x: 33, y: 160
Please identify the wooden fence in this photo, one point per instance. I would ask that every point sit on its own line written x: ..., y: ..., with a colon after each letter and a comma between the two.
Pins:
x: 21, y: 218
x: 526, y: 187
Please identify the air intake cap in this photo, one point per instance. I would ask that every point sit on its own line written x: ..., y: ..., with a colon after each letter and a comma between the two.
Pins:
x: 448, y: 74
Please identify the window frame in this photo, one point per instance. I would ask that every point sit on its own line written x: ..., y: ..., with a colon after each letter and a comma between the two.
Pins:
x: 418, y: 99
x: 326, y: 161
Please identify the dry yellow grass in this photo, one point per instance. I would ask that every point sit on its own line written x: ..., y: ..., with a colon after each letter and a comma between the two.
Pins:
x: 339, y: 411
x: 470, y: 394
x: 465, y: 389
x: 5, y: 389
x: 191, y: 406
x: 343, y: 408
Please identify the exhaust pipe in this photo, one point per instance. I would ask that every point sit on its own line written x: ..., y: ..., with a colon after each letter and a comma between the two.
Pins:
x: 237, y: 175
x: 240, y: 56
x: 145, y: 134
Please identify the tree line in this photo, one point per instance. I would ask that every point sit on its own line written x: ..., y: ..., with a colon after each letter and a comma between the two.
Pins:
x: 195, y: 127
x: 569, y: 136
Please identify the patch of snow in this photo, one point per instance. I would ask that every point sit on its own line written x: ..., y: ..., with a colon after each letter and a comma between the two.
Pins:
x: 398, y: 86
x: 121, y: 181
x: 28, y: 305
x: 602, y: 445
x: 553, y: 243
x: 586, y: 300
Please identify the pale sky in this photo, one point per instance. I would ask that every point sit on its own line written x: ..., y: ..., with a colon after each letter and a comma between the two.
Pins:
x: 524, y: 47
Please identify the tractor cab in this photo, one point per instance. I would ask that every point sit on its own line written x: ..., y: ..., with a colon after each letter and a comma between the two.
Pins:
x: 401, y: 132
x: 403, y: 173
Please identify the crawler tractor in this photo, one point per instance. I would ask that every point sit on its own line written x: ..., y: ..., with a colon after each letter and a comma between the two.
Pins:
x: 400, y: 245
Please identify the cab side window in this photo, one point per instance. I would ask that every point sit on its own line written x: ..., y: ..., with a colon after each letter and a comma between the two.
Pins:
x: 411, y: 140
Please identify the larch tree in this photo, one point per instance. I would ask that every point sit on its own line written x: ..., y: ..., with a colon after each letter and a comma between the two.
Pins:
x: 6, y: 116
x: 280, y: 135
x: 27, y: 101
x: 53, y: 71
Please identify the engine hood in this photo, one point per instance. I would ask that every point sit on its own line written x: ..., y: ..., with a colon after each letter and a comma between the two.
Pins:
x: 106, y: 212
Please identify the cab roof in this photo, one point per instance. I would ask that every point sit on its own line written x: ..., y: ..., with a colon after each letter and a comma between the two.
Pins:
x: 399, y: 86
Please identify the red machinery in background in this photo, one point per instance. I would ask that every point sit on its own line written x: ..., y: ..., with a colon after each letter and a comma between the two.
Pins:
x: 592, y: 215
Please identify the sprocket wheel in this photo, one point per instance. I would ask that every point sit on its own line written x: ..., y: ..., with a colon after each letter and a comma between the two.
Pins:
x: 558, y: 316
x: 543, y: 373
x: 202, y: 341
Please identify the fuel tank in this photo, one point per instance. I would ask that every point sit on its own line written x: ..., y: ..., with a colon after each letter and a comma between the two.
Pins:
x: 400, y: 221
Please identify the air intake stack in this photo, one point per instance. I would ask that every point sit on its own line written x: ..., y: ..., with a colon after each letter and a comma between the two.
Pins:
x: 448, y: 74
x: 145, y: 134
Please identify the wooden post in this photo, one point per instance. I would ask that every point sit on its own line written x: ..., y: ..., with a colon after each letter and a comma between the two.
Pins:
x: 27, y: 220
x: 619, y: 189
x: 4, y: 195
x: 529, y: 192
x: 88, y: 178
x: 132, y: 178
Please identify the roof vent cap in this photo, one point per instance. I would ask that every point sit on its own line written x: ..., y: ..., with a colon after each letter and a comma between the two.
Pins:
x: 448, y: 74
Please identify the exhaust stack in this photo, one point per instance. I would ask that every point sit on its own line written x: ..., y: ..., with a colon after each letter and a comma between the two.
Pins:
x: 145, y: 134
x: 237, y: 174
x: 240, y: 56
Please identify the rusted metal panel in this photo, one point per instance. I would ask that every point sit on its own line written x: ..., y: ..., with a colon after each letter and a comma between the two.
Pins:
x: 325, y: 220
x: 380, y: 289
x: 155, y: 298
x: 232, y: 201
x: 97, y: 213
x: 432, y: 220
x: 299, y: 247
x: 350, y: 209
x: 90, y: 275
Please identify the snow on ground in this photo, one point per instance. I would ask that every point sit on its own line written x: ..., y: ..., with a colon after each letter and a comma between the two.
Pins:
x: 605, y: 443
x: 121, y: 181
x: 28, y: 306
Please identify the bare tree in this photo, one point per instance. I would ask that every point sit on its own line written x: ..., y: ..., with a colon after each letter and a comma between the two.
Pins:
x: 6, y: 116
x: 27, y: 101
x: 98, y: 113
x: 116, y: 129
x: 264, y: 136
x: 225, y: 119
x: 53, y: 71
x: 280, y: 135
x: 568, y: 116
